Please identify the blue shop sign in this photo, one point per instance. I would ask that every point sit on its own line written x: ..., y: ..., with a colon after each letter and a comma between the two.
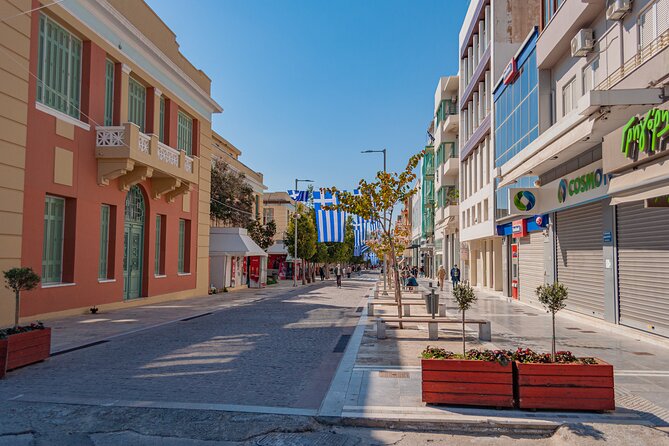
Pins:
x: 534, y: 224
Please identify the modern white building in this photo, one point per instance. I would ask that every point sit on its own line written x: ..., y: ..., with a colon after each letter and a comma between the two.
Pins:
x: 446, y: 169
x: 491, y: 33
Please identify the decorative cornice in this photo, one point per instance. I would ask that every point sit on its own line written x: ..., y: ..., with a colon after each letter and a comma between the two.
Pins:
x: 126, y: 68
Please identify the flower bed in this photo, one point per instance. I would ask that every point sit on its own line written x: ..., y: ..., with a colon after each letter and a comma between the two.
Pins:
x: 21, y: 346
x: 479, y: 379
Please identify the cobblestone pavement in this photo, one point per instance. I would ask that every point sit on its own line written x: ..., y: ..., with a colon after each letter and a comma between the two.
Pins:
x: 273, y: 350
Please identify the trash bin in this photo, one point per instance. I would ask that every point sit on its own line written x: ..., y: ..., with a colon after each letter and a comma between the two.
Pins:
x: 431, y: 302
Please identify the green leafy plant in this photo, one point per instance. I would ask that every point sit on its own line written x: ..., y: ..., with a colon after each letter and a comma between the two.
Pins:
x: 553, y: 297
x: 464, y: 296
x: 524, y: 355
x: 263, y: 235
x: 23, y: 329
x: 18, y: 280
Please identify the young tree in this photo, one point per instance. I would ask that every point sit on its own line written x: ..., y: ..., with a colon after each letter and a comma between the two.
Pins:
x: 376, y: 202
x: 306, y: 235
x: 552, y: 297
x: 17, y: 280
x: 263, y: 235
x: 231, y: 196
x: 464, y: 296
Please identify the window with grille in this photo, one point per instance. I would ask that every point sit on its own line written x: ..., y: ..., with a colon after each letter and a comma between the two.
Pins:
x: 58, y: 68
x: 103, y: 266
x: 52, y: 251
x: 137, y: 104
x: 109, y: 92
x: 185, y: 133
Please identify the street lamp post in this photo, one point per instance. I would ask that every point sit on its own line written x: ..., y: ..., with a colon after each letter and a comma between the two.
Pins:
x: 295, y: 242
x: 385, y: 258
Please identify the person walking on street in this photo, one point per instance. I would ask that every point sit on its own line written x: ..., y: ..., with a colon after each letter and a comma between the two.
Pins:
x: 441, y: 275
x: 321, y: 272
x: 338, y: 273
x: 455, y: 275
x: 348, y: 272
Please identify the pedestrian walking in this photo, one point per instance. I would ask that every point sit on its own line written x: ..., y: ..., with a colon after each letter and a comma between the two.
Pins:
x: 348, y: 272
x: 321, y: 272
x: 441, y: 275
x: 455, y: 275
x: 338, y: 273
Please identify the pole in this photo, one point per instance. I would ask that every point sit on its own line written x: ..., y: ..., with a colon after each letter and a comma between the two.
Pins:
x: 385, y: 257
x: 295, y: 243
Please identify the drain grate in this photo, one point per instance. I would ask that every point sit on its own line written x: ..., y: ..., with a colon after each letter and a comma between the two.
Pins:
x: 358, y: 310
x: 399, y: 375
x: 194, y: 317
x: 341, y: 344
x: 78, y: 348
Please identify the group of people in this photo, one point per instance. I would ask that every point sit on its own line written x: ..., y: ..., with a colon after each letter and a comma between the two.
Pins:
x: 339, y: 271
x: 441, y: 275
x: 409, y: 276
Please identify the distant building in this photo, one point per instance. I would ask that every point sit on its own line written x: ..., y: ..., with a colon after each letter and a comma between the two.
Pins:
x: 279, y: 207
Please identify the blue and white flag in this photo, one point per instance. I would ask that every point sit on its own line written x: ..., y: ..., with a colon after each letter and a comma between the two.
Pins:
x: 299, y: 195
x: 359, y: 230
x: 329, y: 223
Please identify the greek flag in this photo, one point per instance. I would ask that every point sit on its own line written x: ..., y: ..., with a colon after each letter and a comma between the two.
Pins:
x: 360, y: 234
x: 299, y: 195
x: 330, y: 224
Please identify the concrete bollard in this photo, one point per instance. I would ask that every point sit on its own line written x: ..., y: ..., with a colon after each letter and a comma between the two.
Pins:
x: 442, y: 310
x: 433, y: 331
x: 380, y: 329
x: 370, y: 309
x: 406, y: 309
x: 485, y: 332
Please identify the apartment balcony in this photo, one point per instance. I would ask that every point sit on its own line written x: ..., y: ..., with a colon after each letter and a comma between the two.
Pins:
x: 450, y: 124
x: 447, y: 215
x: 451, y: 167
x: 126, y: 154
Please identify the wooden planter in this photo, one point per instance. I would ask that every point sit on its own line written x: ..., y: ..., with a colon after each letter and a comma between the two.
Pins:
x: 565, y: 386
x: 24, y: 348
x: 467, y: 382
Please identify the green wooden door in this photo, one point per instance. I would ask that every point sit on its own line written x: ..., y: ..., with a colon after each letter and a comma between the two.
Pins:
x: 133, y: 243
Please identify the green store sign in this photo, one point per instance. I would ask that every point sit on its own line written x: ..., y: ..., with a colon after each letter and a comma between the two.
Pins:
x: 580, y: 184
x: 643, y: 135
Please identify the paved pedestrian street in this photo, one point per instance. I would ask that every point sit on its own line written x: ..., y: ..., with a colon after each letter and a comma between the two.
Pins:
x: 273, y: 350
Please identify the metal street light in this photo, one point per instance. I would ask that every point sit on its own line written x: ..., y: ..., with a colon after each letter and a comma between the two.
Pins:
x: 385, y: 260
x: 295, y: 242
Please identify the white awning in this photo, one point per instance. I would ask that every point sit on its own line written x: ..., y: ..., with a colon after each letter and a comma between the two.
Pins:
x: 278, y: 248
x: 233, y: 242
x: 641, y: 184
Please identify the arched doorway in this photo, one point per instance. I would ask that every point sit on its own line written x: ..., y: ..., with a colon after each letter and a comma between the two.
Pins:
x: 133, y: 243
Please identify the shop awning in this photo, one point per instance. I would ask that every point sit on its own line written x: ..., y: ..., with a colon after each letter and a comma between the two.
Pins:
x: 598, y: 114
x: 233, y: 242
x: 641, y: 184
x: 278, y: 248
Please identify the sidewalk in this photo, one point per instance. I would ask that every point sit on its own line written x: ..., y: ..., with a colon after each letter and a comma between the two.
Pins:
x: 380, y: 380
x: 75, y: 331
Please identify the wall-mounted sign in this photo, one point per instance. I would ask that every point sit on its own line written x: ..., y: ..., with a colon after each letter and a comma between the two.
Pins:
x: 510, y: 72
x: 519, y: 228
x: 607, y: 237
x: 645, y: 134
x: 582, y: 185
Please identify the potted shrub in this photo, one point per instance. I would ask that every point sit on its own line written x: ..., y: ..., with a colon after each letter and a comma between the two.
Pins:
x: 464, y: 296
x: 22, y: 345
x: 478, y: 378
x: 560, y: 380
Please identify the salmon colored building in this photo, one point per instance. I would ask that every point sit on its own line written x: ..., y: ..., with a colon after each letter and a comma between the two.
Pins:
x: 116, y: 160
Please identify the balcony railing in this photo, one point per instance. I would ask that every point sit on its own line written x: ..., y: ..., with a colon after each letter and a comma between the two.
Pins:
x: 641, y: 57
x: 126, y: 153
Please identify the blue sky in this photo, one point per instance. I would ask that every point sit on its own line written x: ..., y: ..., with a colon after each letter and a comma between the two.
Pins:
x: 307, y: 84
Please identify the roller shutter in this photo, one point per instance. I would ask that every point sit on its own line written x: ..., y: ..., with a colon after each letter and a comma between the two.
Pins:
x: 580, y: 260
x: 643, y: 267
x: 531, y: 265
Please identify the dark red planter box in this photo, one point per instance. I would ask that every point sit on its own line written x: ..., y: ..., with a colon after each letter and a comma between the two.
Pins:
x: 566, y: 386
x: 24, y: 348
x: 467, y: 382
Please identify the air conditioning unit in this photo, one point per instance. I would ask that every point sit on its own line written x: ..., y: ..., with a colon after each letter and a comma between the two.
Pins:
x: 617, y: 9
x: 582, y: 43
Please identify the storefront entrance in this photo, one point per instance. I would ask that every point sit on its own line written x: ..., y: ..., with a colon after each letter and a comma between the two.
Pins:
x: 133, y: 243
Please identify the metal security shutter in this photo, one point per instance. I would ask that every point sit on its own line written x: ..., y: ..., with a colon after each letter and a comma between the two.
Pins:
x: 531, y: 265
x: 643, y: 266
x: 580, y: 261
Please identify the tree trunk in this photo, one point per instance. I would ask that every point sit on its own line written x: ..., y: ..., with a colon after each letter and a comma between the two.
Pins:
x: 16, y: 310
x: 304, y: 279
x: 464, y: 350
x: 398, y: 290
x: 553, y: 344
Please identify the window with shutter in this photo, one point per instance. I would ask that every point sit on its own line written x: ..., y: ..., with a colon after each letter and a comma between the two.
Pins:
x: 58, y: 68
x: 182, y: 245
x: 109, y: 92
x: 161, y: 128
x: 52, y: 250
x: 137, y: 104
x: 104, y: 242
x: 185, y: 133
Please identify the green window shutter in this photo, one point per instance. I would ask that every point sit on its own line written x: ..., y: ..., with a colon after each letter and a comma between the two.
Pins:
x: 104, y: 242
x: 182, y: 241
x: 58, y: 68
x: 156, y: 270
x: 185, y: 133
x: 52, y: 249
x: 137, y: 103
x: 161, y: 127
x: 109, y: 92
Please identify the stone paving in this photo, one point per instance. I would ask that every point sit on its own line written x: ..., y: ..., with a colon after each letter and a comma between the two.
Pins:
x: 253, y: 350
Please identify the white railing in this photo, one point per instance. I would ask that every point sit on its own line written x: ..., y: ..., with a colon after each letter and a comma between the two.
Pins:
x: 188, y: 165
x: 168, y: 154
x: 144, y: 143
x: 110, y: 136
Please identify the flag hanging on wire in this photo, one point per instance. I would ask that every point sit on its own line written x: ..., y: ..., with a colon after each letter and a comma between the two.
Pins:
x: 330, y: 224
x: 299, y: 195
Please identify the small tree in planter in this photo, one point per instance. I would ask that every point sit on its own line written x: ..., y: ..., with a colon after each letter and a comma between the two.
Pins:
x: 464, y: 296
x: 17, y: 280
x: 552, y: 297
